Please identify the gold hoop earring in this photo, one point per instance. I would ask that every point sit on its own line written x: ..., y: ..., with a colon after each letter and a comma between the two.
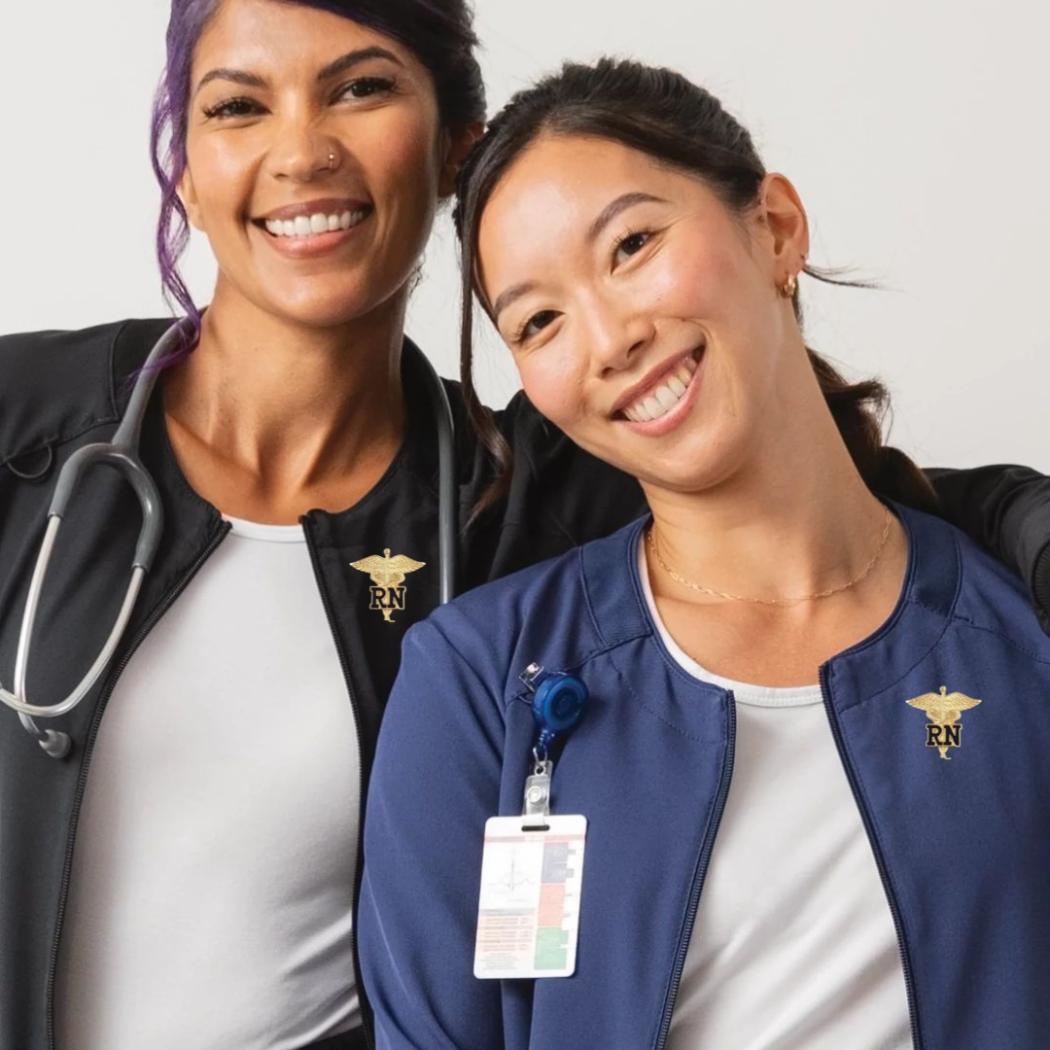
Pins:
x: 789, y: 287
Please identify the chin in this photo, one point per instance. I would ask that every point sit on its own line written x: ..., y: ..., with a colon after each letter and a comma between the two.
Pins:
x: 690, y: 466
x: 331, y: 308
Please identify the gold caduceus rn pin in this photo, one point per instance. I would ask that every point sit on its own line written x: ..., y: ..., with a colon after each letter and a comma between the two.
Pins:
x: 944, y: 710
x: 388, y: 580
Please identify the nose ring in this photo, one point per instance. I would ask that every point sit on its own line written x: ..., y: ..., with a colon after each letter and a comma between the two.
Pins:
x: 331, y: 160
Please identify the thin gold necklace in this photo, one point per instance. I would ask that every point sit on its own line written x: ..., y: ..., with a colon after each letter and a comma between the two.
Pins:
x: 692, y: 585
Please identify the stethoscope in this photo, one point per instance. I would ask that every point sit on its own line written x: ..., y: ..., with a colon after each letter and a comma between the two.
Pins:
x: 122, y: 454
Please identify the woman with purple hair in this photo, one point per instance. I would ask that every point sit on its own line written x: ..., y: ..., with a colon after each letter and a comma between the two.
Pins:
x: 187, y: 876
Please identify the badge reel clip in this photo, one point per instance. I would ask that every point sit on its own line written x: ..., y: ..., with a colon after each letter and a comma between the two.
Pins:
x: 558, y: 703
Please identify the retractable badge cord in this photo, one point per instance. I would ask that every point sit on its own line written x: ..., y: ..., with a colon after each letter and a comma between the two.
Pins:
x: 558, y: 703
x: 532, y: 865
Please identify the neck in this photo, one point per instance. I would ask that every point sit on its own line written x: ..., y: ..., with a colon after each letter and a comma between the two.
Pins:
x: 291, y: 406
x: 796, y: 520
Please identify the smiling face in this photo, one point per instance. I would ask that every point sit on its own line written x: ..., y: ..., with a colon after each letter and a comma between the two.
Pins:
x: 315, y: 159
x: 644, y: 316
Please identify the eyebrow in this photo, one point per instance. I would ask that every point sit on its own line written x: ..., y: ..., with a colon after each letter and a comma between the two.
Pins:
x: 354, y: 58
x: 511, y: 295
x: 607, y: 214
x: 614, y: 208
x: 333, y: 69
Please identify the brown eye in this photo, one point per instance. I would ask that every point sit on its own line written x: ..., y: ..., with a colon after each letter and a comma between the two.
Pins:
x: 367, y: 87
x: 632, y: 244
x: 536, y: 323
x: 232, y: 108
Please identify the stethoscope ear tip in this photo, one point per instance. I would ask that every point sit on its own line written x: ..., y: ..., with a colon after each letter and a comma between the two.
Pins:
x: 56, y: 745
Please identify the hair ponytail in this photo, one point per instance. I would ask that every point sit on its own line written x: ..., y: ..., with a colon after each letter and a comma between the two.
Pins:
x: 859, y: 410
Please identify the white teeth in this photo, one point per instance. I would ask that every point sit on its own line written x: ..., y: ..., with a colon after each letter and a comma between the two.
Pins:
x: 666, y: 396
x: 311, y: 225
x: 660, y: 401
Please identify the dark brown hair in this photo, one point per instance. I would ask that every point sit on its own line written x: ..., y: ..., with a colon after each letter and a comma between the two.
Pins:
x: 658, y: 112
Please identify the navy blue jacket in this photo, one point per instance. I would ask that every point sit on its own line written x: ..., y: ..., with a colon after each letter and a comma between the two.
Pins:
x: 962, y: 845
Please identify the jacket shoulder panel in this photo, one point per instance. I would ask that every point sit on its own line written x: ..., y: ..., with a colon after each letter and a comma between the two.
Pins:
x: 992, y: 598
x: 54, y: 385
x: 536, y: 615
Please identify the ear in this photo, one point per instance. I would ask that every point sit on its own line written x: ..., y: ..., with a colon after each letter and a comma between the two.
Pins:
x: 784, y: 217
x: 458, y: 143
x: 188, y: 195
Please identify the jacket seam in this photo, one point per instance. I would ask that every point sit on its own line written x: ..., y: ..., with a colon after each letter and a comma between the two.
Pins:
x: 625, y: 679
x: 576, y: 665
x: 57, y: 441
x: 907, y: 671
x: 461, y: 657
x: 967, y: 622
x: 582, y: 570
x: 947, y: 618
x: 61, y: 438
x: 609, y: 650
x: 113, y: 368
x: 1040, y: 590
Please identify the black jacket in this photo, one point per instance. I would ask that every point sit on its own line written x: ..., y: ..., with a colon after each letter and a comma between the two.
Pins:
x: 61, y: 390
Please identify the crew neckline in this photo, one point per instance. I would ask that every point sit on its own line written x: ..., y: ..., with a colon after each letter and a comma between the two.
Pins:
x: 744, y: 692
x: 257, y: 530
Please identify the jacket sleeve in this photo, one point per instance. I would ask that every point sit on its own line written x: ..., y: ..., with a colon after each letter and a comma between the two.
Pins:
x: 1007, y: 509
x: 434, y: 784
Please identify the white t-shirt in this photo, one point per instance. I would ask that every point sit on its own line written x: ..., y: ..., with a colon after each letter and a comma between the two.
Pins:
x: 794, y: 946
x: 211, y: 895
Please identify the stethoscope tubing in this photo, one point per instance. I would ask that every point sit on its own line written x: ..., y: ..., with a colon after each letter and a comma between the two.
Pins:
x: 448, y: 516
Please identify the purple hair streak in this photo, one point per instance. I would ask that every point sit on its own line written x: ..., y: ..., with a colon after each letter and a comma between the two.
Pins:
x: 439, y: 32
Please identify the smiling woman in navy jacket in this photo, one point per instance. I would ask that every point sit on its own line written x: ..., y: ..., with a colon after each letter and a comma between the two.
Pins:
x: 813, y: 760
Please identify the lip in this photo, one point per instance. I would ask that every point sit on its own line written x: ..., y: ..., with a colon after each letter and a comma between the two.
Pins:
x: 652, y: 379
x: 311, y: 245
x: 666, y: 423
x: 322, y: 206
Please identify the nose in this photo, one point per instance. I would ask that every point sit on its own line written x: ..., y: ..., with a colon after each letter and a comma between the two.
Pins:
x: 302, y: 152
x: 616, y: 335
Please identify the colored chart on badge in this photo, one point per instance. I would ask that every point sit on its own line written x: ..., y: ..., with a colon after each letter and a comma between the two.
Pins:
x: 529, y: 908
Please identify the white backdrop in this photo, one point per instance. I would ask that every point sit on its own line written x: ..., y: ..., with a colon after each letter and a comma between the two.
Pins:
x: 915, y: 131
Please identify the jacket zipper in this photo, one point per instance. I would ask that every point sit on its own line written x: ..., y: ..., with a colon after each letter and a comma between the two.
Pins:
x: 836, y: 732
x: 699, y: 874
x: 344, y: 663
x: 89, y: 744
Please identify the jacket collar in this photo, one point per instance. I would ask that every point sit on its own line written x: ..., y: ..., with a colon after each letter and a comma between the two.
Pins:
x: 922, y: 614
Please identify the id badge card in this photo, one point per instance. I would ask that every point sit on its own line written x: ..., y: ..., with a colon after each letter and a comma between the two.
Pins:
x: 529, y: 908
